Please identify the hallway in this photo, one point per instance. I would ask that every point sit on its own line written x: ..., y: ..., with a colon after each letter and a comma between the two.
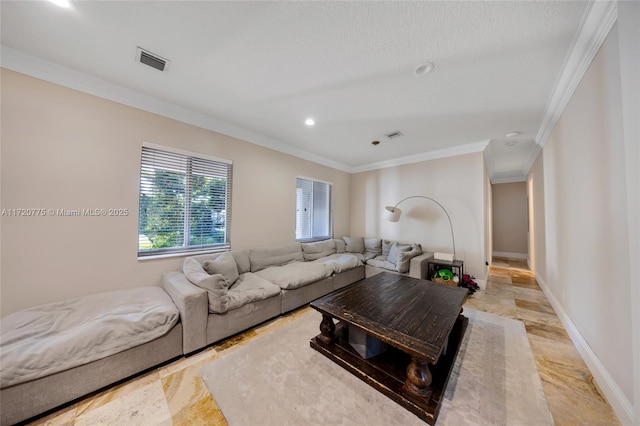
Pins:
x: 571, y: 391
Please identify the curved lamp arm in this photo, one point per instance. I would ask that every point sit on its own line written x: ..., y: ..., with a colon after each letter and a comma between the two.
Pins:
x: 394, y: 215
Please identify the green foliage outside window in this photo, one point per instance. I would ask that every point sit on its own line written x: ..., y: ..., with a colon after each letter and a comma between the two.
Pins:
x: 172, y: 192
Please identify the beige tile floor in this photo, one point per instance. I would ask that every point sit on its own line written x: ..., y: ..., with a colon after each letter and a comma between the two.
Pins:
x: 175, y: 394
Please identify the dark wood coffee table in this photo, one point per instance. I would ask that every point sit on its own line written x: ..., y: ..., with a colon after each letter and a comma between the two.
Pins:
x: 421, y: 323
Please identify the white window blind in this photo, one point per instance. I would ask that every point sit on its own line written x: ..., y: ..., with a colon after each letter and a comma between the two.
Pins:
x: 185, y: 203
x: 313, y: 210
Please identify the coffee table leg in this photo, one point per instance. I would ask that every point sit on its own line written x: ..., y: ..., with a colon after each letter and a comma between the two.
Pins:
x: 327, y: 328
x: 418, y: 378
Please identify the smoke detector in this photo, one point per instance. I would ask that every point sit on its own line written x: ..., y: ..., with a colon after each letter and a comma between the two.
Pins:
x: 151, y: 59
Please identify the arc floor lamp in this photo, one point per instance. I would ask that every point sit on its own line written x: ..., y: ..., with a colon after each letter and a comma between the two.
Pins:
x: 394, y: 216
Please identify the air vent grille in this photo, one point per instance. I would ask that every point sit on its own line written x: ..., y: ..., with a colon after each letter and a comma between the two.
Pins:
x: 151, y: 59
x: 395, y: 134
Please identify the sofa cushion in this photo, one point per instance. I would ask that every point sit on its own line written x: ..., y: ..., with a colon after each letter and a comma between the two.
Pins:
x: 225, y: 265
x: 242, y: 260
x: 386, y: 246
x: 372, y: 248
x: 341, y: 246
x: 316, y: 250
x: 216, y: 285
x: 395, y: 249
x: 354, y: 244
x: 295, y: 275
x: 46, y: 339
x: 340, y: 262
x: 404, y: 258
x: 264, y: 257
x: 250, y: 288
x: 382, y: 262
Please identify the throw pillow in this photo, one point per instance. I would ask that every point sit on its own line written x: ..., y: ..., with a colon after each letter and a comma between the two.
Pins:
x: 395, y: 250
x: 192, y: 269
x: 217, y: 288
x: 386, y: 246
x: 225, y: 265
x: 216, y: 285
x: 404, y: 258
x: 354, y: 244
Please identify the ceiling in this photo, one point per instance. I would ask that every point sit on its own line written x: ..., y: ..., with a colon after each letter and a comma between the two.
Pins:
x: 257, y: 70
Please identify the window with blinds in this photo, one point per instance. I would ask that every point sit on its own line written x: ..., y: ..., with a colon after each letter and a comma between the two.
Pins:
x: 313, y: 210
x: 185, y: 203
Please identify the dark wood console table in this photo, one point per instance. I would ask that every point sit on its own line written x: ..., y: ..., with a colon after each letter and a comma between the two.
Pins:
x: 419, y: 321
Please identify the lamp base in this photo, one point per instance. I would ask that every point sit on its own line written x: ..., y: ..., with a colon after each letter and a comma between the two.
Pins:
x: 444, y: 256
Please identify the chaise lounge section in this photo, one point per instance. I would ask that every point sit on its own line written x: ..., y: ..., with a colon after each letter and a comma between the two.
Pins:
x: 55, y: 353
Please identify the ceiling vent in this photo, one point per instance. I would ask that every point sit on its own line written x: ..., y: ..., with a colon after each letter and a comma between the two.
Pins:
x: 151, y: 59
x: 395, y: 134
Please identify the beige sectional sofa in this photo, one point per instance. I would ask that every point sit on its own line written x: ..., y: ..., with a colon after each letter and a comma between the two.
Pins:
x: 225, y: 293
x: 214, y: 297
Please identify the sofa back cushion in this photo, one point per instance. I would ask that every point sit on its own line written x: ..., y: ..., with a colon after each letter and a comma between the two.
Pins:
x: 341, y: 246
x: 373, y: 246
x: 216, y: 286
x: 264, y: 257
x: 225, y: 265
x: 318, y: 249
x: 242, y: 260
x: 354, y: 244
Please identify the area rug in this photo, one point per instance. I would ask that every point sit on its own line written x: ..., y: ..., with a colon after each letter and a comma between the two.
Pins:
x: 277, y: 379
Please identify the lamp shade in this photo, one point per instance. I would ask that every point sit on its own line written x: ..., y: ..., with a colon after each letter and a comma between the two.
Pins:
x: 393, y: 213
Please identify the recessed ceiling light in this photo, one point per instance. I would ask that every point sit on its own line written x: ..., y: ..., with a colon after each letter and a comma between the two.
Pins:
x: 309, y: 121
x: 511, y: 143
x: 423, y: 69
x: 512, y: 134
x: 61, y: 3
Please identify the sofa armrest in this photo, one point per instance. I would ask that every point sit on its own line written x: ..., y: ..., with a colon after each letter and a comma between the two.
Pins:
x: 192, y: 303
x: 418, y: 266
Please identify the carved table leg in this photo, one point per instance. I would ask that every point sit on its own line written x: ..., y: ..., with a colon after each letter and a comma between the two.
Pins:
x: 418, y: 378
x: 327, y: 328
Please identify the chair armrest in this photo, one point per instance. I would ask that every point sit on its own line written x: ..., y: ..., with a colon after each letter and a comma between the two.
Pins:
x: 418, y: 266
x: 192, y: 303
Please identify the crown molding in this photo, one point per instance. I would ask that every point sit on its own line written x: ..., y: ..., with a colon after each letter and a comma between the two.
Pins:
x: 24, y: 63
x: 599, y: 18
x: 511, y: 179
x: 426, y: 156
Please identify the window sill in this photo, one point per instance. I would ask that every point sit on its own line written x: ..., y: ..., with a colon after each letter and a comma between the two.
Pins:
x: 183, y: 254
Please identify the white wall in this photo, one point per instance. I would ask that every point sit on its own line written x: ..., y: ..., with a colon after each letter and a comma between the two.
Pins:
x: 585, y: 264
x: 488, y: 216
x: 629, y: 48
x: 456, y: 182
x: 509, y: 201
x: 537, y: 229
x: 66, y: 149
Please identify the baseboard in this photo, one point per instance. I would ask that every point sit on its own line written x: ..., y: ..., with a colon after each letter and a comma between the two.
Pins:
x: 481, y: 283
x: 614, y: 395
x: 508, y: 255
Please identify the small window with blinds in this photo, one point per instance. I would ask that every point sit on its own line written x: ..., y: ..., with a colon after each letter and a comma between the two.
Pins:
x: 313, y: 210
x: 185, y: 202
